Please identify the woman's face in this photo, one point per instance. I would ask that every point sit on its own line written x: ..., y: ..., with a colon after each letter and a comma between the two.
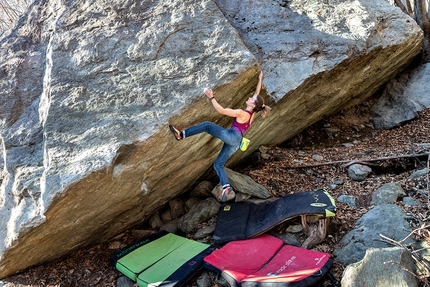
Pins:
x: 251, y: 101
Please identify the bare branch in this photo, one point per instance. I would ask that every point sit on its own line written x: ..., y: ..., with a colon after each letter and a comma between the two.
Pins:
x: 409, y: 8
x: 428, y: 186
x: 362, y: 161
x: 406, y: 270
x: 403, y: 8
x: 421, y: 16
x: 414, y: 253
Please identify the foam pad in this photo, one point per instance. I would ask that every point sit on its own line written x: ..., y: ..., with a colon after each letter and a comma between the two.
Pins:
x: 161, y: 259
x: 293, y: 267
x: 238, y: 259
x: 238, y: 221
x: 265, y: 261
x: 148, y: 251
x: 176, y: 268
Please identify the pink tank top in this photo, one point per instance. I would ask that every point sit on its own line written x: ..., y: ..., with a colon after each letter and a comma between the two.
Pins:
x: 242, y: 128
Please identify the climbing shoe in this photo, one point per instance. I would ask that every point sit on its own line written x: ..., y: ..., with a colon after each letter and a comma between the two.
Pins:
x: 225, y: 192
x: 176, y: 132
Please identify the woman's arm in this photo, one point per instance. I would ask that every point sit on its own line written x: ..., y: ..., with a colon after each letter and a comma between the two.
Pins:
x: 220, y: 109
x: 258, y: 88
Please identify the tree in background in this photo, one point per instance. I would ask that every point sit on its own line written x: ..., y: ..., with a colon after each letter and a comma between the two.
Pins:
x: 418, y: 10
x: 10, y: 12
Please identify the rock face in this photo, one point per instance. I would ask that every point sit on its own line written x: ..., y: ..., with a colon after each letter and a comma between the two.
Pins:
x: 382, y: 267
x: 87, y: 89
x: 402, y: 98
x: 386, y: 219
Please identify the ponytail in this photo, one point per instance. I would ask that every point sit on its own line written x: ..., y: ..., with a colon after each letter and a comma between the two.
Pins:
x: 261, y: 107
x: 265, y: 110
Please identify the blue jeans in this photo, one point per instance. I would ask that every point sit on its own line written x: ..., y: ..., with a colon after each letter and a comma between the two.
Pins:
x: 230, y: 137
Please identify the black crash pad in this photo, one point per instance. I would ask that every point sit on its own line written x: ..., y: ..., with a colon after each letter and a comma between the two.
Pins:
x: 238, y: 221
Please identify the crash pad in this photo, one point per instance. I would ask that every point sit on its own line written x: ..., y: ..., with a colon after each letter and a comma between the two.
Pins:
x: 177, y: 268
x: 161, y: 259
x: 238, y: 259
x: 265, y: 261
x: 238, y: 221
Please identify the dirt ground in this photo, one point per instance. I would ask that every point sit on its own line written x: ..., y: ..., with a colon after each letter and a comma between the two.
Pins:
x: 318, y: 157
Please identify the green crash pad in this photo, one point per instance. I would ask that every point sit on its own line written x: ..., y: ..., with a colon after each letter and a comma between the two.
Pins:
x: 160, y: 274
x: 161, y: 259
x: 145, y: 256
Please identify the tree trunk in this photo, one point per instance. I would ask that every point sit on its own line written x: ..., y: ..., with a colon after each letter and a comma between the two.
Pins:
x: 405, y: 9
x: 316, y: 232
x: 422, y: 18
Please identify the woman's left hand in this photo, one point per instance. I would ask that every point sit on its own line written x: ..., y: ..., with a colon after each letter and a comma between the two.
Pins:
x: 208, y: 93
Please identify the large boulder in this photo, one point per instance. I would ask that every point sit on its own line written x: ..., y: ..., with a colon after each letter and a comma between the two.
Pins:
x: 403, y: 98
x: 87, y: 89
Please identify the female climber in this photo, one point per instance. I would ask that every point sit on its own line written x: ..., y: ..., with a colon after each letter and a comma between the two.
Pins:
x: 231, y: 137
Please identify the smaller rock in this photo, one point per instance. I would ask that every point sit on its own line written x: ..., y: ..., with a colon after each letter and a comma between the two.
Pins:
x: 348, y: 144
x: 170, y: 226
x: 202, y: 190
x: 221, y: 281
x: 124, y: 281
x: 242, y: 197
x: 155, y: 221
x: 332, y: 131
x: 338, y: 181
x: 137, y: 233
x: 287, y: 238
x: 115, y: 245
x: 388, y: 193
x: 245, y: 184
x: 359, y: 172
x: 201, y: 212
x: 264, y: 149
x: 204, y: 280
x: 166, y: 216
x: 177, y: 208
x: 205, y: 231
x: 331, y: 185
x: 265, y: 156
x: 119, y: 236
x: 191, y: 202
x: 348, y: 199
x: 317, y: 157
x: 419, y: 173
x: 410, y: 201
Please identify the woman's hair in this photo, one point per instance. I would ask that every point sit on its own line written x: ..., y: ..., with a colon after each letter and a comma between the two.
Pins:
x: 260, y: 106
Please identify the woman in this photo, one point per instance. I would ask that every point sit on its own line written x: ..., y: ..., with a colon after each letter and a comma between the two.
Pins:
x: 231, y: 137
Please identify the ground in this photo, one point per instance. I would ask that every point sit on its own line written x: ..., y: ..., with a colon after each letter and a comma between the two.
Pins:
x: 318, y: 157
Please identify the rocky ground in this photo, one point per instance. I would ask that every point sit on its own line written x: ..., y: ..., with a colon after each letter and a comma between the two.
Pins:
x: 316, y: 158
